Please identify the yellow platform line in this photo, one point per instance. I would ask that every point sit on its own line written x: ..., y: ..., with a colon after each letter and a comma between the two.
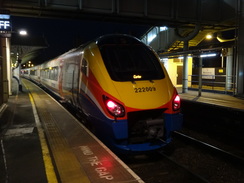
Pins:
x: 68, y: 167
x: 49, y: 168
x: 67, y: 164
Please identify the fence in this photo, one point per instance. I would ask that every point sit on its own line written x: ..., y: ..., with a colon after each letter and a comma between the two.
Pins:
x: 217, y: 83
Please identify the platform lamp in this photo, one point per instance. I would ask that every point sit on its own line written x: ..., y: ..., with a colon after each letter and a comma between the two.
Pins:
x: 23, y: 32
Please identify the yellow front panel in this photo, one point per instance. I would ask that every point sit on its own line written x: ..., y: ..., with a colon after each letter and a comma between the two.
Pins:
x: 144, y: 94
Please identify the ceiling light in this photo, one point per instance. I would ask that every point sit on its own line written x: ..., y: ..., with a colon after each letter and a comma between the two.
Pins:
x: 209, y: 36
x: 23, y: 32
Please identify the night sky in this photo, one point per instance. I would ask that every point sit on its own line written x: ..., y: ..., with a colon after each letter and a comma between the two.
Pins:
x: 63, y: 35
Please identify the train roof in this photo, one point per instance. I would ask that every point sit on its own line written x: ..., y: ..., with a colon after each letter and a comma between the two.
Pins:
x: 117, y: 39
x: 104, y: 40
x: 113, y: 39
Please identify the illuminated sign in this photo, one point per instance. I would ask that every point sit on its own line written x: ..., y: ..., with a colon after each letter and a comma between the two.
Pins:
x: 5, y: 24
x: 137, y: 76
x: 4, y: 16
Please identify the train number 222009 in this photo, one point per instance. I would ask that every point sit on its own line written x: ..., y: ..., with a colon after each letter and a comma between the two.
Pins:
x: 144, y: 89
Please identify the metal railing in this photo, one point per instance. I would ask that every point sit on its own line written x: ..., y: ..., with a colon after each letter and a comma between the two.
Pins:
x: 216, y: 83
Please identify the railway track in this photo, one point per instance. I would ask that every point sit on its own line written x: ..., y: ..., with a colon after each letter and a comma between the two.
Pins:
x: 218, y: 151
x: 207, y: 161
x: 190, y: 161
x: 159, y: 168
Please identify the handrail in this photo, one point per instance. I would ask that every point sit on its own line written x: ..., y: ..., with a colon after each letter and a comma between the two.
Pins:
x: 217, y: 83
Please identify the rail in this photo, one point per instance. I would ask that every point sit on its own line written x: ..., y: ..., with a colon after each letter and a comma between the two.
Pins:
x: 221, y: 152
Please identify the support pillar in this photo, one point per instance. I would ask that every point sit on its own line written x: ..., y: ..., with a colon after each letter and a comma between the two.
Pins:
x: 200, y: 78
x: 9, y: 65
x: 240, y: 52
x: 229, y: 70
x: 185, y: 69
x: 6, y: 68
x: 1, y: 75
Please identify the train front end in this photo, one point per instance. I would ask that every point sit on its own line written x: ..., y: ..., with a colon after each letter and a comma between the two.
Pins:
x: 139, y: 107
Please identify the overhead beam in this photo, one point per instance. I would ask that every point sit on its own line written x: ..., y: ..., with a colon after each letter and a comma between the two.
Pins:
x: 171, y: 12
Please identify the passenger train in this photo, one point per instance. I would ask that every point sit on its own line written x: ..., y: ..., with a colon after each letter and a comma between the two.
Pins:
x: 120, y: 87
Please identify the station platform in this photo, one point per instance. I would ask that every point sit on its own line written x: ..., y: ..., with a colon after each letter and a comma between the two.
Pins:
x: 41, y: 142
x: 217, y: 99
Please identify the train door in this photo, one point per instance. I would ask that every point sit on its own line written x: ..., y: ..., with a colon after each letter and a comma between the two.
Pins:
x: 83, y: 76
x: 179, y: 75
x: 70, y: 81
x: 83, y: 81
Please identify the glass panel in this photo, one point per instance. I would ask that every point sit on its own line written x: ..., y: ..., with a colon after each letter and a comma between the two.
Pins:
x: 131, y: 61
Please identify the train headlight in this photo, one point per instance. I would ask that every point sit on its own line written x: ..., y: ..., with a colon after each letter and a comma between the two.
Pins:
x: 114, y: 108
x: 176, y: 103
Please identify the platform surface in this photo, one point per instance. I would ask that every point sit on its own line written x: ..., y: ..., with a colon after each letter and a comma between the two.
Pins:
x: 222, y: 100
x: 42, y: 142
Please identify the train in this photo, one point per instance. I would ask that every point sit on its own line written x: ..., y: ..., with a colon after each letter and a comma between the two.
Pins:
x: 121, y: 89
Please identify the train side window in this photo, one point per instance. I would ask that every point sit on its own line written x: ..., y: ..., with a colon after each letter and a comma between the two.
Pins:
x: 33, y: 72
x: 84, y: 67
x: 45, y: 73
x: 53, y: 73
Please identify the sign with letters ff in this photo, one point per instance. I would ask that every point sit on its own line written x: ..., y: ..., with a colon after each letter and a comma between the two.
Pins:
x: 5, y: 24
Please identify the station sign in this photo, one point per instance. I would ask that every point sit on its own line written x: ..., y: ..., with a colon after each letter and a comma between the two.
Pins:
x: 208, y: 73
x: 5, y: 23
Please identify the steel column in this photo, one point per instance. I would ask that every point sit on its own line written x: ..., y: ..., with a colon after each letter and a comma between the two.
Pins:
x: 185, y: 69
x: 6, y: 67
x: 240, y: 51
x: 200, y: 78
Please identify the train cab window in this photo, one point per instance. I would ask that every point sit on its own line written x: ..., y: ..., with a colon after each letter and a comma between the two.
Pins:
x: 84, y: 67
x: 128, y: 59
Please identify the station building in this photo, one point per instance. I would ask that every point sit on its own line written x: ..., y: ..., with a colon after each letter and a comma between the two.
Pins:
x: 192, y: 61
x: 208, y: 58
